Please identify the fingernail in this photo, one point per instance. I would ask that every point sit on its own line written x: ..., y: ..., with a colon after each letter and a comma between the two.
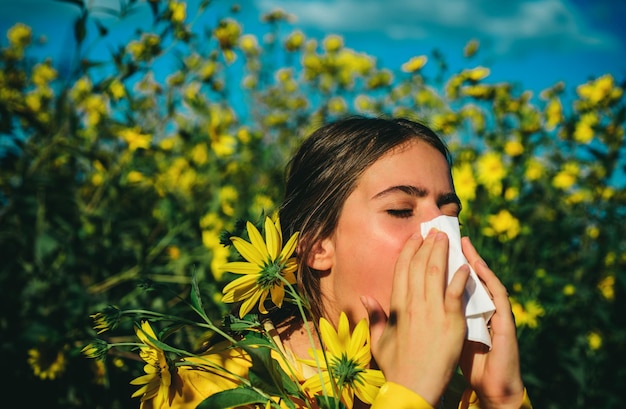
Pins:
x: 433, y: 232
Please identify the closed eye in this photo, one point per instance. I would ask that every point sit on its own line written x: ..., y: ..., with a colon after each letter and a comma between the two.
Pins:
x: 400, y: 213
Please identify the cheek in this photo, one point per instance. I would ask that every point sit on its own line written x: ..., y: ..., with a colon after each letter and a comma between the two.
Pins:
x: 372, y: 267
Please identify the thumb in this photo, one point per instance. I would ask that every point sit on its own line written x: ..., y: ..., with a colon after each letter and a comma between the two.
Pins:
x: 377, y: 318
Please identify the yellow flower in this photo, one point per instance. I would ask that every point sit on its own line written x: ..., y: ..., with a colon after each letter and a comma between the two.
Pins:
x: 553, y: 113
x: 594, y: 340
x: 333, y: 43
x: 168, y: 143
x: 46, y: 363
x: 464, y: 182
x: 569, y: 290
x: 415, y: 64
x: 199, y: 154
x: 94, y: 107
x: 134, y: 176
x: 592, y: 232
x: 363, y: 103
x: 19, y: 35
x: 511, y: 193
x: 606, y: 287
x: 476, y: 74
x: 219, y: 256
x: 249, y: 44
x: 158, y: 378
x: 490, y: 169
x: 566, y: 177
x: 294, y: 41
x: 471, y: 48
x: 584, y: 132
x: 227, y: 33
x: 596, y: 91
x: 116, y: 89
x: 477, y: 91
x: 534, y: 170
x: 228, y: 196
x: 96, y: 349
x: 135, y: 139
x: 81, y: 89
x: 268, y: 265
x: 106, y: 320
x: 43, y: 74
x: 173, y: 252
x: 223, y: 145
x: 503, y: 225
x: 345, y: 368
x: 178, y: 11
x: 33, y: 101
x: 527, y: 314
x: 514, y: 148
x: 337, y: 105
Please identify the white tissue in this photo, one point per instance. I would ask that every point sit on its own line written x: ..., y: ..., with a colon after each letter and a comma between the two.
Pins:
x: 476, y: 301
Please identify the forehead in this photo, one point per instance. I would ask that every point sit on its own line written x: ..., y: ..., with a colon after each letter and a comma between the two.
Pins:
x: 412, y: 161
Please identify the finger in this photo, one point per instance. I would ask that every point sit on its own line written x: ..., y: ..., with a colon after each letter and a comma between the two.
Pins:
x: 418, y: 267
x: 492, y: 282
x: 400, y: 286
x: 437, y: 267
x: 454, y: 291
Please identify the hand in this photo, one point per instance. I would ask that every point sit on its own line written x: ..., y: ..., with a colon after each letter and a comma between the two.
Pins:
x: 419, y: 344
x: 494, y: 374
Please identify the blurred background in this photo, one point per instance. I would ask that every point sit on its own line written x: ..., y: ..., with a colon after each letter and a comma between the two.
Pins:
x: 132, y: 133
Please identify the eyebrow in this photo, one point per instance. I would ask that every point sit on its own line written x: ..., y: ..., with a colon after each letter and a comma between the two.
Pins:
x: 417, y: 191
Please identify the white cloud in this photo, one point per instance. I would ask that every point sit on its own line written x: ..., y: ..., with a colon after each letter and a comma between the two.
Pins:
x: 513, y: 26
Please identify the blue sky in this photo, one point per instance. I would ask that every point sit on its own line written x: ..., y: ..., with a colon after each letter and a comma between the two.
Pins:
x: 531, y: 42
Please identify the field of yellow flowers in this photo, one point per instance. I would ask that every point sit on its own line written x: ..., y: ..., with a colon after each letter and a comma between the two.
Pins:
x: 115, y: 185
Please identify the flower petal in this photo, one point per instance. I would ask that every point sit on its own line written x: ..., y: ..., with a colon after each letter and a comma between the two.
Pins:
x: 278, y: 294
x: 262, y: 299
x: 343, y: 331
x: 289, y: 276
x: 241, y: 267
x: 249, y: 303
x: 241, y: 287
x: 272, y: 239
x: 249, y: 251
x: 359, y: 339
x: 257, y: 241
x: 290, y: 247
x: 329, y: 336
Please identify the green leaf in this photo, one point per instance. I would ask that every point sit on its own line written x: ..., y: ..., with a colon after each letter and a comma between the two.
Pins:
x: 196, y: 300
x: 232, y: 398
x: 266, y: 373
x: 45, y: 244
x: 80, y: 28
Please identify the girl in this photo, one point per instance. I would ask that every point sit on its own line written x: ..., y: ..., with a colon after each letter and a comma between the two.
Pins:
x: 357, y: 192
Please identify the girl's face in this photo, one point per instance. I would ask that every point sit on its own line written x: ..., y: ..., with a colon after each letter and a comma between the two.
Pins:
x: 407, y: 186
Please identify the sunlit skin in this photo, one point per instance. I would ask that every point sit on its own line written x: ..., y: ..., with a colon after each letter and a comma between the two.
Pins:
x: 378, y: 266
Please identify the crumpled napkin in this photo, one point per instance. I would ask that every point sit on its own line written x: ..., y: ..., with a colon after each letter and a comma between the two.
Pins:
x: 476, y: 301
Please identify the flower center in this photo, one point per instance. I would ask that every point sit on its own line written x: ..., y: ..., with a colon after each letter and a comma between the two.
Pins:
x: 270, y: 275
x: 345, y: 370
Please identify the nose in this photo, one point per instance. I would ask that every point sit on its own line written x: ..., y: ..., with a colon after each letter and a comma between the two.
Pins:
x: 429, y: 212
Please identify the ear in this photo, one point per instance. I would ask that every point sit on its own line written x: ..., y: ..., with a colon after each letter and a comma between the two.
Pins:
x: 322, y: 255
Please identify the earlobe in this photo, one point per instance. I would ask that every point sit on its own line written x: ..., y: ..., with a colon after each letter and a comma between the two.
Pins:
x: 322, y: 255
